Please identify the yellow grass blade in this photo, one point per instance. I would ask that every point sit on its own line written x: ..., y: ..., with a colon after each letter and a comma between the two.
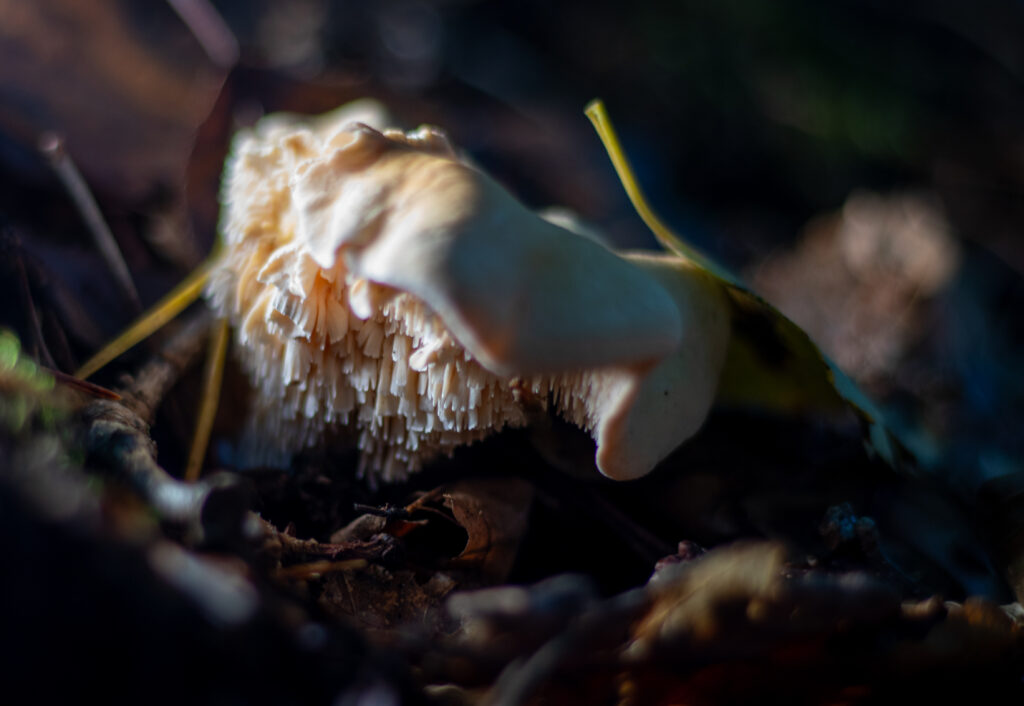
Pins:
x: 802, y: 380
x: 598, y: 115
x: 212, y: 377
x: 163, y: 311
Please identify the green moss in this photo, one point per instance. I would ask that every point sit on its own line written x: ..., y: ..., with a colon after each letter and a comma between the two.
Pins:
x: 28, y: 396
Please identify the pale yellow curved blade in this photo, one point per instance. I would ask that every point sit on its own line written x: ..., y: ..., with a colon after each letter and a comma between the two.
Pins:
x: 771, y: 363
x: 598, y: 115
x: 210, y: 398
x: 159, y: 314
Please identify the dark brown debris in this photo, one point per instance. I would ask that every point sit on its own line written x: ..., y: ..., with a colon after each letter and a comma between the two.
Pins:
x: 768, y: 560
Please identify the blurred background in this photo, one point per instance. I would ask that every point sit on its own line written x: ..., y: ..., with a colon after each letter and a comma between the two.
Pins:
x: 861, y: 164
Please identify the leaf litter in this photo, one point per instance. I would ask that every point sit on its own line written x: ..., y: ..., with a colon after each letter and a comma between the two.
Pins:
x: 448, y: 589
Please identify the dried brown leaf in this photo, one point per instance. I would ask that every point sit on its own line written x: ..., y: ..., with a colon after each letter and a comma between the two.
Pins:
x: 494, y: 513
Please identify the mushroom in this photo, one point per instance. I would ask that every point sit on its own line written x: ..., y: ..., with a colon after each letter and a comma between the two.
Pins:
x: 376, y: 280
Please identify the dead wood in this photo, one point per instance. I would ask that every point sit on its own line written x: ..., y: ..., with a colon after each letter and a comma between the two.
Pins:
x: 211, y: 511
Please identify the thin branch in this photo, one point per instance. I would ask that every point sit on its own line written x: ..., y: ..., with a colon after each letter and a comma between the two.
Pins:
x: 33, y: 314
x: 147, y: 388
x: 209, y: 29
x: 87, y: 387
x: 53, y: 148
x: 608, y: 622
x: 316, y: 569
x: 214, y: 510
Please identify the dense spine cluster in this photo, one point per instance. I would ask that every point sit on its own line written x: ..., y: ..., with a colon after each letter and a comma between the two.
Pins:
x: 380, y: 287
x: 325, y: 350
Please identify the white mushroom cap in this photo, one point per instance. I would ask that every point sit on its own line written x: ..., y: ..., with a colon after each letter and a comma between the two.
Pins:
x: 376, y: 280
x: 640, y: 414
x: 522, y: 295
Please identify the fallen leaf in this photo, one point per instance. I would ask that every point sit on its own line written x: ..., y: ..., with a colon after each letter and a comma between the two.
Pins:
x: 494, y: 513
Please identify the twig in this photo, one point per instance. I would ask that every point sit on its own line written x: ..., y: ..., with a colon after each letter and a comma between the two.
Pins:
x: 68, y: 311
x: 644, y: 543
x: 388, y: 511
x: 521, y: 679
x: 379, y: 549
x: 426, y: 497
x: 33, y: 314
x: 209, y: 29
x: 52, y: 147
x: 147, y: 388
x: 316, y: 569
x: 88, y: 388
x: 591, y: 503
x: 214, y: 510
